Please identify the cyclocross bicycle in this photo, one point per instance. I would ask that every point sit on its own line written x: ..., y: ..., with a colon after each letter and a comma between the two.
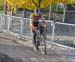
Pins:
x: 41, y: 39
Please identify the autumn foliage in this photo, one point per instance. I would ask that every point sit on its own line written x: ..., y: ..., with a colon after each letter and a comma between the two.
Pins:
x: 32, y: 4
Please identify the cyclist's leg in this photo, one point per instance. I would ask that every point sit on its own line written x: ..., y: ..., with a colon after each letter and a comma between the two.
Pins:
x: 34, y: 38
x: 34, y: 41
x: 41, y: 32
x: 44, y: 33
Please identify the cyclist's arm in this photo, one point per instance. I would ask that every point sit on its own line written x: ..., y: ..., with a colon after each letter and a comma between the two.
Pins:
x: 31, y: 25
x: 44, y: 23
x: 31, y: 22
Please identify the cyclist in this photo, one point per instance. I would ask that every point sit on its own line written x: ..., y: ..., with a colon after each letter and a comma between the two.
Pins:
x: 35, y: 19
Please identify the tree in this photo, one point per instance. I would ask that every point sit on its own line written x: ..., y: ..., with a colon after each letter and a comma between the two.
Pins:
x: 1, y: 4
x: 30, y: 4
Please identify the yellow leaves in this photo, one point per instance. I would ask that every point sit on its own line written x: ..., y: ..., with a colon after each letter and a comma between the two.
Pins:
x: 66, y: 1
x: 45, y: 3
x: 61, y: 1
x: 27, y: 4
x: 14, y: 2
x: 1, y: 2
x: 11, y: 2
x: 71, y: 1
x: 32, y: 4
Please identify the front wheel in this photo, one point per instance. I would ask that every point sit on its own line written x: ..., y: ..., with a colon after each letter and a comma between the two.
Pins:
x: 36, y: 41
x: 42, y: 45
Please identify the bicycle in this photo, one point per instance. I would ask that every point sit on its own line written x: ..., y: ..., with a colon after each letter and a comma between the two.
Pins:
x: 41, y: 40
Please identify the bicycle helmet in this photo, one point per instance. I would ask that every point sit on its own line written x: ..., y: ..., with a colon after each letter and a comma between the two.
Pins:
x: 37, y: 11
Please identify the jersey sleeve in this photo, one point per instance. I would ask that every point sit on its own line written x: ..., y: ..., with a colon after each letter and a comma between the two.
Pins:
x: 31, y: 16
x: 31, y: 21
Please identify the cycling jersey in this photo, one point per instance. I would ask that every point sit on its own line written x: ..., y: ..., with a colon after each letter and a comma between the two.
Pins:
x: 35, y: 20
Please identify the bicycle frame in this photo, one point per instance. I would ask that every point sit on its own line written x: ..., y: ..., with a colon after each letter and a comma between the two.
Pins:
x: 41, y: 39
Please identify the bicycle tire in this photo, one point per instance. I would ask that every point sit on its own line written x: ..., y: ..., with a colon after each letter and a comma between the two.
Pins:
x: 37, y: 40
x: 42, y: 45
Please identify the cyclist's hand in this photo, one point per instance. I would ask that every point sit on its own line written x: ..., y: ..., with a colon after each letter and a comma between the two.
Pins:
x: 44, y: 25
x: 34, y: 28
